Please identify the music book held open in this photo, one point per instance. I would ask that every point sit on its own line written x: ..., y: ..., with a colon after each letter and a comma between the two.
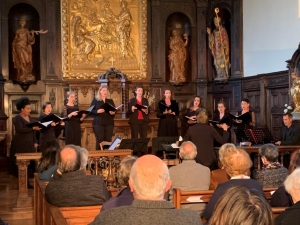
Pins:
x: 38, y: 124
x: 140, y: 107
x: 108, y: 107
x: 168, y: 107
x: 54, y: 118
x: 80, y: 112
x: 244, y: 117
x: 225, y: 119
x: 194, y: 119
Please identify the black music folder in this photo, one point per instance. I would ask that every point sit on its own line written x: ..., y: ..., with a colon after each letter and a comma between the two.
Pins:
x: 38, y: 124
x: 225, y: 119
x: 88, y: 111
x: 140, y: 107
x: 54, y: 118
x: 244, y: 117
x: 108, y: 107
x: 168, y: 107
x: 135, y: 144
x: 189, y: 118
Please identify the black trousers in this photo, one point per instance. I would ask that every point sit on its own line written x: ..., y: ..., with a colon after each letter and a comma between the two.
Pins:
x: 139, y: 127
x: 103, y: 132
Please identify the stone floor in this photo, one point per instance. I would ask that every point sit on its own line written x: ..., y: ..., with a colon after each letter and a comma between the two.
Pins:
x: 8, y: 201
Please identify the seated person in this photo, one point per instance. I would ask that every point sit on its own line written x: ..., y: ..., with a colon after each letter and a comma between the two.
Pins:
x: 189, y: 175
x: 237, y: 164
x: 280, y: 198
x: 47, y: 165
x: 72, y: 187
x: 272, y: 173
x: 149, y: 180
x: 250, y: 206
x: 203, y: 136
x: 220, y: 175
x: 291, y: 215
x: 125, y: 196
x: 290, y: 134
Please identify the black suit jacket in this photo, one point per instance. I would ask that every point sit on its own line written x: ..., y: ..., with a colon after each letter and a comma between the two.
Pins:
x: 223, y: 187
x: 290, y: 136
x: 203, y: 136
x: 290, y: 216
x: 133, y: 116
x: 102, y: 118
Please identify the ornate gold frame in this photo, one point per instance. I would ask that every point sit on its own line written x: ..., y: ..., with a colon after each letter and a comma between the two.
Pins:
x: 91, y: 44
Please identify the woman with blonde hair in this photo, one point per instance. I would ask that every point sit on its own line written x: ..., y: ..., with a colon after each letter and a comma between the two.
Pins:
x: 237, y: 165
x: 103, y: 123
x: 203, y: 136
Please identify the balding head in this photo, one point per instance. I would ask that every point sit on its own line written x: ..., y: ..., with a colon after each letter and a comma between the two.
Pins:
x: 149, y: 178
x: 187, y: 150
x: 68, y: 159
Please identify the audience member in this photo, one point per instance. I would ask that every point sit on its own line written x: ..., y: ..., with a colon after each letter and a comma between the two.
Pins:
x: 84, y: 154
x: 203, y: 136
x: 73, y: 187
x: 149, y: 180
x: 280, y: 198
x: 125, y: 196
x: 290, y: 134
x: 189, y: 175
x: 237, y: 165
x: 47, y: 165
x: 291, y: 215
x: 250, y: 206
x: 220, y: 175
x: 272, y: 173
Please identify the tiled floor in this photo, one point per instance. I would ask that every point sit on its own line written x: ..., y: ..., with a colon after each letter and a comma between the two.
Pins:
x: 8, y: 201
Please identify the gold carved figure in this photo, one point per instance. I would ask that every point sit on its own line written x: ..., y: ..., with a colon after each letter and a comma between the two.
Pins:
x: 295, y: 91
x: 177, y: 57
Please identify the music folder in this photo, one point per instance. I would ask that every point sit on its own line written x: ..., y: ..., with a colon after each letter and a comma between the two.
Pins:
x: 244, y: 117
x: 38, y: 124
x: 108, y: 107
x: 194, y: 119
x: 80, y: 112
x: 167, y: 107
x: 225, y: 119
x: 140, y: 107
x: 54, y: 118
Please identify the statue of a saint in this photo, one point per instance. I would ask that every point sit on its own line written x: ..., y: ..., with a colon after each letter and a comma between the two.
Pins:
x: 22, y: 52
x: 219, y: 45
x: 295, y: 91
x: 177, y: 56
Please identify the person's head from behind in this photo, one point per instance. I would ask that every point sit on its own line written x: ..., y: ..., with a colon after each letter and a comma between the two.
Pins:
x: 241, y: 205
x: 292, y: 185
x: 224, y: 150
x: 202, y: 116
x: 245, y: 104
x: 69, y: 159
x: 49, y: 152
x: 47, y: 108
x: 123, y: 173
x: 269, y: 153
x: 294, y: 161
x: 187, y: 150
x: 149, y: 178
x: 84, y: 154
x: 237, y: 163
x: 287, y: 119
x: 23, y: 105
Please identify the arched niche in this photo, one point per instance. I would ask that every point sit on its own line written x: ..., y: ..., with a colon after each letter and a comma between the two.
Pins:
x: 181, y: 23
x: 30, y: 14
x: 225, y: 16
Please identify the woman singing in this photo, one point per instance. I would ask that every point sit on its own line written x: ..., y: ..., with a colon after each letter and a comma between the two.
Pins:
x: 72, y: 126
x: 49, y: 133
x: 103, y: 123
x: 249, y: 124
x: 24, y: 140
x: 168, y: 110
x: 193, y: 111
x: 138, y: 118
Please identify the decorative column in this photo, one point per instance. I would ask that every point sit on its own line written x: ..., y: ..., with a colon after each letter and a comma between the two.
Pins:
x: 23, y: 178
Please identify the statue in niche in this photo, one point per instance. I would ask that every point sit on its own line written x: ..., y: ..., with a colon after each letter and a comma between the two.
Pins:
x: 295, y: 91
x: 177, y: 57
x: 219, y: 45
x: 22, y: 52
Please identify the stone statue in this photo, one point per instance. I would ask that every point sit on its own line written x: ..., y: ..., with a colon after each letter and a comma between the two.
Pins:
x: 295, y: 91
x: 177, y: 57
x: 219, y: 45
x: 22, y: 52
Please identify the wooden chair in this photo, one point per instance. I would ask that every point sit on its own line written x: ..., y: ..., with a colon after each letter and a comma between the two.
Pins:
x: 103, y: 143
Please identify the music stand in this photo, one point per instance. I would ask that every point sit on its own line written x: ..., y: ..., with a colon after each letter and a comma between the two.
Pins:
x: 240, y: 135
x: 135, y: 144
x: 157, y: 143
x: 256, y: 136
x: 268, y: 137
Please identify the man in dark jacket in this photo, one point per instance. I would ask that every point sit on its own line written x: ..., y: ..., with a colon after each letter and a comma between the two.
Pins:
x: 70, y: 186
x: 290, y: 134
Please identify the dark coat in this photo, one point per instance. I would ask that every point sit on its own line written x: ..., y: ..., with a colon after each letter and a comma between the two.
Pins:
x: 102, y: 118
x: 280, y: 198
x: 203, y: 136
x: 291, y: 135
x: 290, y: 216
x: 133, y: 116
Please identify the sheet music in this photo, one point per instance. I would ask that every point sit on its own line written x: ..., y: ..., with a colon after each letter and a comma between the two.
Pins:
x: 196, y: 198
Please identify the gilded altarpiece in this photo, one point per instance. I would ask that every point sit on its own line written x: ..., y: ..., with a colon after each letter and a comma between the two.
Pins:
x: 99, y: 34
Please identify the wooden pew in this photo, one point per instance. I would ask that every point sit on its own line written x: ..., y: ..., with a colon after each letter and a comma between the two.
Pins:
x: 267, y: 192
x: 277, y: 210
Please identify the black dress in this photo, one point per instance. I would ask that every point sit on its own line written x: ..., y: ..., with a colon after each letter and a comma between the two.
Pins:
x: 168, y: 123
x: 216, y: 117
x: 72, y: 126
x: 103, y: 123
x: 22, y: 142
x: 49, y: 133
x: 189, y: 113
x: 245, y: 125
